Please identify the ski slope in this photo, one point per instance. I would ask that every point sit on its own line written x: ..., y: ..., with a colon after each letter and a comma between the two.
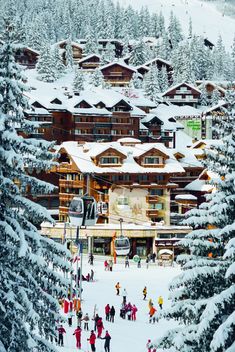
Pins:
x: 206, y: 19
x: 127, y: 336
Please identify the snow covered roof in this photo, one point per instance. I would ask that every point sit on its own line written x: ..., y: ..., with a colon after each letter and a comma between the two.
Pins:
x: 65, y: 41
x: 207, y: 142
x: 82, y: 157
x: 188, y: 158
x: 89, y: 57
x: 150, y: 62
x: 220, y: 104
x: 185, y: 197
x: 182, y: 140
x: 179, y: 85
x: 119, y: 63
x: 213, y: 84
x: 199, y: 185
x: 128, y: 140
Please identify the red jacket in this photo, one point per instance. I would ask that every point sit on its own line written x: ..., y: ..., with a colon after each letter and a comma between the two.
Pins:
x: 77, y: 333
x: 92, y: 339
x: 61, y: 330
x: 107, y: 309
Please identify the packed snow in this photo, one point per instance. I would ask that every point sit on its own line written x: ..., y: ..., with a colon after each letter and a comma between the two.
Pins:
x: 126, y: 335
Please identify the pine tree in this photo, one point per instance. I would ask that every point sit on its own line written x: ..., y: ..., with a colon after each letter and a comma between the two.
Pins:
x: 139, y: 54
x: 31, y: 265
x: 58, y: 64
x: 91, y: 46
x: 69, y: 54
x: 163, y: 79
x: 203, y: 295
x: 136, y: 81
x: 151, y: 84
x: 97, y: 78
x: 109, y: 52
x: 190, y: 28
x: 78, y: 82
x: 215, y: 97
x: 45, y: 65
x: 204, y: 95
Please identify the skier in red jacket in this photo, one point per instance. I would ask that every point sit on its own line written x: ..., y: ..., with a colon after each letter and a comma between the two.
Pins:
x: 100, y: 327
x: 61, y: 331
x: 107, y: 311
x: 77, y: 333
x: 134, y: 310
x: 92, y: 340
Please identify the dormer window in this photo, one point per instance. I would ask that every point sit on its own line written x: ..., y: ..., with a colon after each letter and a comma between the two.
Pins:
x: 151, y: 160
x: 106, y: 160
x: 56, y: 101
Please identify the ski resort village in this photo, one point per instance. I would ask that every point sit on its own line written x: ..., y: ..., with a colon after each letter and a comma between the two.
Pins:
x: 117, y: 176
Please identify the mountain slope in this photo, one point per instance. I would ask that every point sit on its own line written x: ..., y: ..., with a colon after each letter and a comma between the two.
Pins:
x: 206, y: 19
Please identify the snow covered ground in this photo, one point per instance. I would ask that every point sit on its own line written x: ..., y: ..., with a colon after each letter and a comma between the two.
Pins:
x: 127, y: 336
x: 206, y: 19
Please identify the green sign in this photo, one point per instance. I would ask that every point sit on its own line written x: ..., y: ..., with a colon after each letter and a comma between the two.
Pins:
x: 195, y: 125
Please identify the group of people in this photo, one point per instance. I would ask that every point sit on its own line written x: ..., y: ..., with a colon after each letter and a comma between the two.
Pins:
x: 109, y: 313
x: 128, y: 310
x: 108, y: 265
x: 89, y: 276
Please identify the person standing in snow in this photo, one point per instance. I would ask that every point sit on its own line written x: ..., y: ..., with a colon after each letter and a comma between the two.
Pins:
x: 79, y: 317
x: 61, y: 331
x: 112, y: 314
x: 150, y: 304
x: 77, y: 333
x: 139, y: 263
x: 107, y: 339
x: 129, y: 311
x: 100, y: 327
x: 124, y: 295
x: 127, y: 264
x: 149, y: 348
x: 107, y: 311
x: 133, y: 312
x: 117, y: 286
x: 92, y: 275
x: 147, y: 263
x: 160, y: 301
x: 86, y: 320
x: 70, y: 318
x: 145, y: 292
x: 92, y: 339
x: 152, y: 313
x: 96, y: 318
x: 111, y: 265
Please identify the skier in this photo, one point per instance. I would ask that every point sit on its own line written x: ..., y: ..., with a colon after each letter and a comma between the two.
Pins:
x: 139, y: 263
x: 106, y: 265
x: 147, y: 263
x: 91, y: 259
x: 129, y: 311
x: 107, y: 339
x: 100, y: 327
x: 154, y: 257
x: 117, y: 286
x: 77, y: 333
x: 145, y: 292
x: 150, y: 304
x: 123, y: 311
x: 92, y: 339
x: 112, y: 314
x: 79, y: 317
x: 107, y: 311
x: 127, y: 262
x: 61, y: 331
x: 96, y: 318
x: 86, y: 320
x: 149, y: 348
x: 133, y: 312
x: 111, y: 265
x: 160, y: 301
x: 152, y: 317
x: 70, y: 318
x: 92, y: 275
x: 124, y: 295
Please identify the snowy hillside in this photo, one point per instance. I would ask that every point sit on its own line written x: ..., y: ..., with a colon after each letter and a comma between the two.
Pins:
x: 206, y: 19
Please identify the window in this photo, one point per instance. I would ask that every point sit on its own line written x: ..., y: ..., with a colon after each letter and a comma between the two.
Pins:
x: 156, y: 192
x: 159, y: 178
x: 157, y: 206
x: 122, y: 200
x: 109, y: 160
x: 142, y: 178
x: 151, y: 160
x: 183, y: 89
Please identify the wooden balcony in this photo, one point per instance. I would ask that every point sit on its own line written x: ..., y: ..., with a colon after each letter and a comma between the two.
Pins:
x: 63, y: 210
x: 66, y: 197
x: 152, y: 212
x: 152, y: 198
x: 64, y: 167
x: 71, y: 183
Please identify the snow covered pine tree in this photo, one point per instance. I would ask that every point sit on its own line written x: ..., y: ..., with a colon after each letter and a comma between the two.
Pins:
x: 29, y: 282
x: 203, y: 295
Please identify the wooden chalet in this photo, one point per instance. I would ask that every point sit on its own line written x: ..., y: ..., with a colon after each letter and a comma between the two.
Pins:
x: 100, y: 167
x: 183, y: 94
x: 117, y: 74
x: 90, y: 62
x: 210, y: 87
x: 27, y: 57
x: 76, y: 48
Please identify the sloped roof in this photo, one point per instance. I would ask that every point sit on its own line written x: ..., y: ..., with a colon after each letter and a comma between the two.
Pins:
x: 179, y: 85
x: 122, y: 64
